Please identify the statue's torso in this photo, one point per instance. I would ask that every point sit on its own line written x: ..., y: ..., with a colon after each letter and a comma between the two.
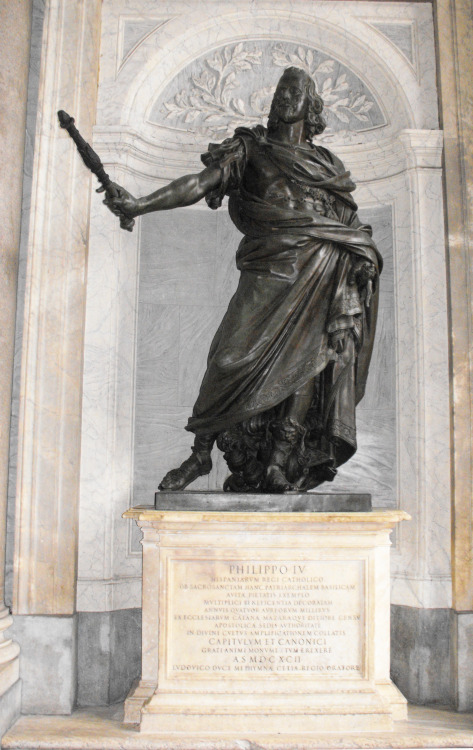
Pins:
x: 265, y: 180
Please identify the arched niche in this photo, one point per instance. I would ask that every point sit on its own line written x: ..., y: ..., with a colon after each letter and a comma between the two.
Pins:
x: 155, y: 297
x: 404, y: 93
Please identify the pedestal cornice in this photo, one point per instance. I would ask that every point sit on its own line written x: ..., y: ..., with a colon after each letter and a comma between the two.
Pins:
x: 147, y: 515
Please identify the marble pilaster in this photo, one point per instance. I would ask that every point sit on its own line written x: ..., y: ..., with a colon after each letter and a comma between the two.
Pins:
x: 50, y: 404
x: 44, y: 576
x: 455, y: 49
x: 15, y: 27
x: 455, y: 46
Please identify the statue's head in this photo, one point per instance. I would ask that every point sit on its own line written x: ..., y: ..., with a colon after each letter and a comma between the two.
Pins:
x: 295, y: 99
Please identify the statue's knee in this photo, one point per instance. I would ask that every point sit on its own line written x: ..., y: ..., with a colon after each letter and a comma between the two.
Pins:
x: 305, y: 391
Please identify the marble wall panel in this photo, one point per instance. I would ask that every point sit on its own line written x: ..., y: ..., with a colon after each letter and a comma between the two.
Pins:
x: 421, y: 654
x: 178, y: 265
x: 157, y: 363
x: 196, y: 331
x: 401, y: 35
x: 108, y: 655
x: 422, y: 404
x: 463, y: 644
x: 107, y: 418
x: 161, y: 442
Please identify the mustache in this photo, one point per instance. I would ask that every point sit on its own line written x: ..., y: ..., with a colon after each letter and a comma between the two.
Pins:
x: 283, y: 102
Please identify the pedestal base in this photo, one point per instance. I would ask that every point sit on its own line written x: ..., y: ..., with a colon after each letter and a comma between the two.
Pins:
x: 340, y: 708
x: 265, y: 623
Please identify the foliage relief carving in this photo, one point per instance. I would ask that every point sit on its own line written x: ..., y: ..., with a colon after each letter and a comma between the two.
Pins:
x: 214, y: 101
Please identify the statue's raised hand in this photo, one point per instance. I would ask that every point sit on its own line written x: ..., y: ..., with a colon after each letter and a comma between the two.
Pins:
x: 121, y: 203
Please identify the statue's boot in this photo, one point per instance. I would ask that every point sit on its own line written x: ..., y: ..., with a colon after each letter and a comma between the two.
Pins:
x: 285, y: 436
x: 275, y: 479
x: 198, y: 464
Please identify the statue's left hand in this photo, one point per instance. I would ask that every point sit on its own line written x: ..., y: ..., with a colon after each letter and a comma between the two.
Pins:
x: 362, y: 272
x: 338, y: 341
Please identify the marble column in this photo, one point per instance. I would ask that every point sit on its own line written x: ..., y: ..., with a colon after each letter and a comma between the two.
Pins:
x: 15, y: 30
x: 455, y: 49
x: 46, y: 518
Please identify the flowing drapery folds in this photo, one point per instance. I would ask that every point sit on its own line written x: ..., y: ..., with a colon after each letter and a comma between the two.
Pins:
x: 297, y: 289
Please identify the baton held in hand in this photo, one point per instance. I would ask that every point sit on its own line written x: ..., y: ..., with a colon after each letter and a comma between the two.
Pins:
x: 92, y: 161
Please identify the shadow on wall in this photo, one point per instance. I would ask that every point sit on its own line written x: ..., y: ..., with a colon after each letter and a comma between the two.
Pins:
x: 422, y: 670
x: 108, y: 656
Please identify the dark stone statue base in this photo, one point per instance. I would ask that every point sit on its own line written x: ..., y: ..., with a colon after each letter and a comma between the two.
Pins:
x: 290, y: 502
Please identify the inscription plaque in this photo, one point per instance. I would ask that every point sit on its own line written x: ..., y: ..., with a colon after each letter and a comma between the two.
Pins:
x: 236, y: 618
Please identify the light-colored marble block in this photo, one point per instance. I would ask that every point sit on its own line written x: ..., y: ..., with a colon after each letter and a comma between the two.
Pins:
x: 47, y: 663
x: 265, y: 623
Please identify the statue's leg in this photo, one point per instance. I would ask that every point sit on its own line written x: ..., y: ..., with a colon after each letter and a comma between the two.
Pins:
x: 198, y: 464
x: 286, y: 433
x: 298, y: 404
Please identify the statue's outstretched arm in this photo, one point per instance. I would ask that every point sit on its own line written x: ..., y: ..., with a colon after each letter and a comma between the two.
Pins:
x: 181, y: 192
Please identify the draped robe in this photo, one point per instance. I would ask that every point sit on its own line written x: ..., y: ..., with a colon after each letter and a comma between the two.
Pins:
x: 294, y: 290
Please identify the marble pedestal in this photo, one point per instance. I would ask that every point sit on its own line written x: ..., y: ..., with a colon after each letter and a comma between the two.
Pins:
x: 260, y: 623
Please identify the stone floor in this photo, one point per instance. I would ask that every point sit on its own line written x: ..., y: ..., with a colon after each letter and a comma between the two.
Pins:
x: 102, y: 729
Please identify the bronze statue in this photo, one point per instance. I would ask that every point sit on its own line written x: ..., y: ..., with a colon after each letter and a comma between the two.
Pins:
x: 289, y: 361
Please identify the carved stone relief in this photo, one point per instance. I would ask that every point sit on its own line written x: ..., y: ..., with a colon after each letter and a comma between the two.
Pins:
x: 233, y: 86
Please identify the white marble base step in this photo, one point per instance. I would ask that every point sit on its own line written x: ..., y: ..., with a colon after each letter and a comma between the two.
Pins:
x: 103, y: 729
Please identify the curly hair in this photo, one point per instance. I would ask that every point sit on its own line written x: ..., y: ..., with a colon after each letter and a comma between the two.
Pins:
x: 314, y: 122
